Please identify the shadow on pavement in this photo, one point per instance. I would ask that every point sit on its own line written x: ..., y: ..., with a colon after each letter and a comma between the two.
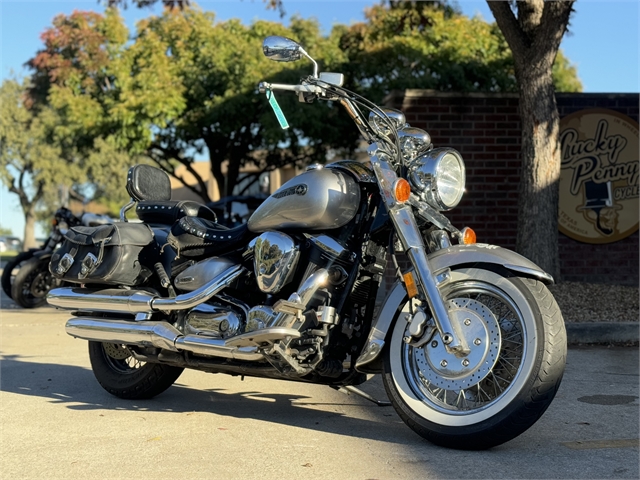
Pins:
x: 77, y: 388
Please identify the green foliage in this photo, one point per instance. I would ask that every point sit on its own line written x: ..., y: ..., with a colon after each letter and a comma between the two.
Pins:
x: 565, y: 75
x: 30, y: 167
x: 74, y: 89
x: 428, y: 46
x: 185, y: 84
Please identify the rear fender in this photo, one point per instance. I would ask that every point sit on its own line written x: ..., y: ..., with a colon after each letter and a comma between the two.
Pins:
x: 446, y: 258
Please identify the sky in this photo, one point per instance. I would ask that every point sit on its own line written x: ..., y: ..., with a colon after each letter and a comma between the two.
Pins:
x: 602, y: 41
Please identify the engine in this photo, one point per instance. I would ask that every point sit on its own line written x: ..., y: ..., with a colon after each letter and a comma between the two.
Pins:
x: 300, y: 278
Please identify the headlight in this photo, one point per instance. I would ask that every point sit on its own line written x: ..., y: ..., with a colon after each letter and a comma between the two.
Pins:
x: 413, y: 142
x: 439, y: 177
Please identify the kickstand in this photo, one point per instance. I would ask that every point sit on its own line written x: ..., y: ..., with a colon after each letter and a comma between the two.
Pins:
x: 347, y: 389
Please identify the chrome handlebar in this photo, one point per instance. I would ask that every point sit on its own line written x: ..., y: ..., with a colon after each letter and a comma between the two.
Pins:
x: 264, y: 86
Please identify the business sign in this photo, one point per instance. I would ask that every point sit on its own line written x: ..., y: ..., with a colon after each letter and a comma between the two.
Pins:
x: 599, y: 176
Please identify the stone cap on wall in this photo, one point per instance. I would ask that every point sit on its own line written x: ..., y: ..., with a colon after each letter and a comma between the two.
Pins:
x: 422, y: 93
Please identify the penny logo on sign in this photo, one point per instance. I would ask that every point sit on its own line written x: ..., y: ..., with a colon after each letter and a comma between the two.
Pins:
x: 599, y: 176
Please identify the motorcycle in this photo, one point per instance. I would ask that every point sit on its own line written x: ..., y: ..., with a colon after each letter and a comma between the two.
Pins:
x: 26, y: 278
x: 470, y: 344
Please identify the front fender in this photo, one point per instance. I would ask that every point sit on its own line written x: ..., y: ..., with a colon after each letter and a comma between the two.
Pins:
x: 446, y: 258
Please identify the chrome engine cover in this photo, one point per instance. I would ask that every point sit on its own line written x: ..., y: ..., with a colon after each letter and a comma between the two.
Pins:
x: 274, y: 261
x: 315, y: 200
x: 212, y: 321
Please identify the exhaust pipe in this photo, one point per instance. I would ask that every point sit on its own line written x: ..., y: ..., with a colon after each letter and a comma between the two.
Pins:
x: 155, y: 334
x: 138, y: 301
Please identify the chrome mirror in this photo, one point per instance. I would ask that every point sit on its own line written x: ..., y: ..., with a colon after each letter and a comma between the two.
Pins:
x: 281, y: 49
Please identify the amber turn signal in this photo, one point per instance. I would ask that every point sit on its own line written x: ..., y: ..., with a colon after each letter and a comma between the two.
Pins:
x: 410, y: 285
x: 401, y: 190
x: 468, y: 236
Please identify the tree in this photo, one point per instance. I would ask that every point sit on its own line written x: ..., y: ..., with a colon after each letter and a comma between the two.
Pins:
x: 183, y: 86
x: 431, y: 45
x: 534, y: 37
x: 74, y: 78
x: 218, y: 67
x: 29, y: 165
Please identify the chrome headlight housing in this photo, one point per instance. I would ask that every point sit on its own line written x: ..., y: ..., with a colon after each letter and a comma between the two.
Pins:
x: 413, y: 143
x: 381, y: 126
x: 439, y: 177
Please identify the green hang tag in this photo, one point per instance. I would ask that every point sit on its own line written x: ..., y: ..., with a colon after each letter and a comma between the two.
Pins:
x: 277, y: 110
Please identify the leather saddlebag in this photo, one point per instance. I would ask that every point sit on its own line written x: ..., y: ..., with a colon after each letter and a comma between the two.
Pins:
x: 107, y: 254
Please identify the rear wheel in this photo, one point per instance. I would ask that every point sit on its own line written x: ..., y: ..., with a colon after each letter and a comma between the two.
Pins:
x: 32, y: 283
x: 517, y: 342
x: 11, y: 265
x: 122, y: 375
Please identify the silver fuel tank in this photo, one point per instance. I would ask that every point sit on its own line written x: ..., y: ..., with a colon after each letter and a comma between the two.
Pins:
x: 319, y: 199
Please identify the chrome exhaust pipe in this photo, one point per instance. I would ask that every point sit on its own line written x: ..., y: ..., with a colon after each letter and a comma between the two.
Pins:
x: 138, y: 301
x: 155, y: 334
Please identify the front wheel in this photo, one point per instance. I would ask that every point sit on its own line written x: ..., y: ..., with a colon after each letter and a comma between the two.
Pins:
x: 518, y: 347
x: 122, y: 375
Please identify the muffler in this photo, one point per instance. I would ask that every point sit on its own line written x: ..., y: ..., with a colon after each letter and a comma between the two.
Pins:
x: 155, y: 334
x: 139, y: 301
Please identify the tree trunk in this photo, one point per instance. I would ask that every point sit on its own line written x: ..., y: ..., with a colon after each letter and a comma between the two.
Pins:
x: 534, y: 38
x: 29, y: 230
x: 537, y: 237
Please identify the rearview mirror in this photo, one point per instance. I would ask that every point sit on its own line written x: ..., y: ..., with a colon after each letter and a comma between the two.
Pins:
x: 281, y: 49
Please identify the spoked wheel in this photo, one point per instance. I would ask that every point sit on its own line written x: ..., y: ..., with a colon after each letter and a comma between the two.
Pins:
x: 517, y: 342
x: 32, y: 283
x: 124, y: 376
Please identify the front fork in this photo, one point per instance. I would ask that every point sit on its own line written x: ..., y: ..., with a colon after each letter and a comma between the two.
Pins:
x: 409, y: 234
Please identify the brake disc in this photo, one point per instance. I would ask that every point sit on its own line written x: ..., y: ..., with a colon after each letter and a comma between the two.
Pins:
x: 116, y: 351
x: 479, y: 327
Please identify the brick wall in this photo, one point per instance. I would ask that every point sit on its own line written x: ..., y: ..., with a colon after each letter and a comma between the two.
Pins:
x: 485, y: 129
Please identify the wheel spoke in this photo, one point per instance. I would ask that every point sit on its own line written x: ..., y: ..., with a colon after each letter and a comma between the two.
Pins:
x: 430, y: 381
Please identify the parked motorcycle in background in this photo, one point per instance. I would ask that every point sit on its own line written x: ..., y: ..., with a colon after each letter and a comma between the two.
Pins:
x: 26, y: 278
x: 470, y: 343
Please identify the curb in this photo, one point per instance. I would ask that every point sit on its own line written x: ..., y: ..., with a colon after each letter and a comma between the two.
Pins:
x: 602, y: 332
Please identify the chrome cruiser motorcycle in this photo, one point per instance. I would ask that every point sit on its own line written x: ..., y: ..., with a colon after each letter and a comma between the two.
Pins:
x: 470, y: 343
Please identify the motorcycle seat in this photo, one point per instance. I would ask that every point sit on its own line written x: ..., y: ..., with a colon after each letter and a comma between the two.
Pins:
x: 166, y: 212
x: 195, y: 236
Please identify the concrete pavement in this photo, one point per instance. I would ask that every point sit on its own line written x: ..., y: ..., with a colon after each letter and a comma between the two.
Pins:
x: 57, y: 422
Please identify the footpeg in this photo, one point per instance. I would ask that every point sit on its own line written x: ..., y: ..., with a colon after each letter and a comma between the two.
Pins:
x: 289, y: 307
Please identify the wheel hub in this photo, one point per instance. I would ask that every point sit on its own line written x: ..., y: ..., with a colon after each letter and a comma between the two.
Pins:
x: 480, y: 329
